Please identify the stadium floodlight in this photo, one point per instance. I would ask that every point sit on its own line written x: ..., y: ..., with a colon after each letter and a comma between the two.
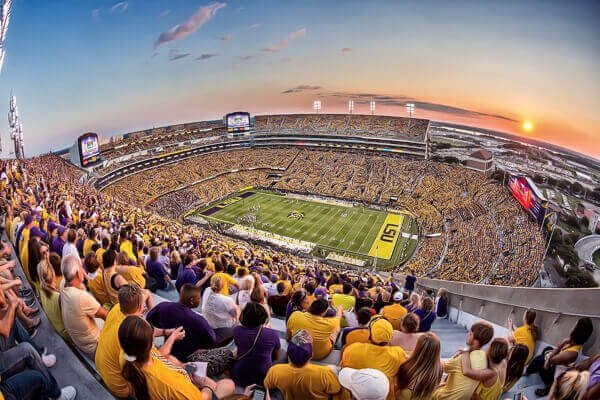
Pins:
x: 317, y: 106
x: 4, y: 20
x: 16, y: 128
x: 372, y: 106
x: 410, y: 109
x: 350, y: 106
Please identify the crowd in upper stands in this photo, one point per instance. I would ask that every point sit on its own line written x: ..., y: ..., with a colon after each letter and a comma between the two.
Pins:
x: 484, y: 235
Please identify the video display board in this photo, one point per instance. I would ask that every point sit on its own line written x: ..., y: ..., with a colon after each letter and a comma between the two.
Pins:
x: 529, y: 196
x: 89, y: 149
x: 238, y: 122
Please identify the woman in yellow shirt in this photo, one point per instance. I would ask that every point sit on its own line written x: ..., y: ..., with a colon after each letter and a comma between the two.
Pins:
x: 526, y: 334
x: 492, y: 378
x: 152, y: 378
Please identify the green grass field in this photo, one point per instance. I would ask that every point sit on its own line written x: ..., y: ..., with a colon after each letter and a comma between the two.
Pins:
x: 356, y: 232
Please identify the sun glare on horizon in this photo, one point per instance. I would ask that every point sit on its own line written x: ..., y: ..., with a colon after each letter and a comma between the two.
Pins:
x: 528, y: 126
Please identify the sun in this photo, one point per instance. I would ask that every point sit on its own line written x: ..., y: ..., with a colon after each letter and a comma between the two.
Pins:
x: 528, y: 126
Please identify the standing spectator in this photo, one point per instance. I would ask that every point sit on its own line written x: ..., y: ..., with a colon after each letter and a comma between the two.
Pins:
x: 257, y: 346
x: 365, y: 384
x: 409, y: 281
x: 421, y: 374
x: 70, y: 248
x: 425, y: 314
x: 344, y: 299
x: 323, y: 330
x: 79, y: 308
x: 414, y: 303
x: 300, y: 379
x: 377, y: 354
x: 159, y: 276
x: 170, y: 315
x: 408, y: 335
x: 442, y: 303
x: 59, y: 241
x: 395, y: 312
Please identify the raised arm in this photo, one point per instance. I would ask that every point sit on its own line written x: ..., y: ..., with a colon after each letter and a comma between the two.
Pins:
x: 481, y: 375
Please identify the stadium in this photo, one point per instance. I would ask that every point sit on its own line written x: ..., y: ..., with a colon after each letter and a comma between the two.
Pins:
x: 293, y: 256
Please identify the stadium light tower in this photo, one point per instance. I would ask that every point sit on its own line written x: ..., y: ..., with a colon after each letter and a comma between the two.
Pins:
x: 351, y: 106
x: 410, y: 109
x: 317, y: 106
x: 4, y: 20
x: 372, y: 106
x: 16, y: 128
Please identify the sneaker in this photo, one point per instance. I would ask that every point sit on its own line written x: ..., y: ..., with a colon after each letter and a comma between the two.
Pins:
x: 67, y: 393
x: 49, y: 360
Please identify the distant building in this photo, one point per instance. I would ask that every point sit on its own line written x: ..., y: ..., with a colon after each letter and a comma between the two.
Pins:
x: 591, y: 212
x: 481, y: 160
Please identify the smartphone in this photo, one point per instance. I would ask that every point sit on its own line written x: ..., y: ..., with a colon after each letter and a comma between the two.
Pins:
x: 190, y: 368
x: 518, y: 396
x: 259, y: 393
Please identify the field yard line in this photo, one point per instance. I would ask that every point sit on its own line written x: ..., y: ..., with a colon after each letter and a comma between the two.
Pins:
x: 358, y: 232
x: 377, y: 228
x: 360, y: 215
x: 336, y: 214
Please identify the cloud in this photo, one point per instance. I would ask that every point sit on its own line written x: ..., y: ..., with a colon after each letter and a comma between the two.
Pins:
x: 347, y: 49
x: 96, y: 13
x: 226, y: 38
x: 206, y: 56
x: 119, y: 7
x: 246, y: 58
x: 401, y: 100
x: 273, y: 48
x: 174, y: 54
x: 254, y: 26
x: 301, y: 88
x: 164, y: 13
x: 195, y: 22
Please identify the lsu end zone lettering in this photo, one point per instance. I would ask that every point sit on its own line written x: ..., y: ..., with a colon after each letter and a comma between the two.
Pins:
x: 384, y: 244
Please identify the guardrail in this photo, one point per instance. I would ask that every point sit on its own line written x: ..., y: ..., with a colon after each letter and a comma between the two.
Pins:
x: 557, y: 309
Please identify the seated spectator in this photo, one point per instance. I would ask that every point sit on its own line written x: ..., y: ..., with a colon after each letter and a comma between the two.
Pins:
x: 24, y: 376
x: 152, y: 378
x: 395, y: 312
x: 227, y: 279
x: 359, y: 334
x: 49, y: 295
x: 159, y: 276
x: 298, y: 302
x: 300, y: 379
x: 257, y: 346
x: 128, y: 269
x: 426, y: 314
x: 271, y: 285
x: 527, y: 334
x: 219, y: 310
x: 592, y: 365
x: 79, y: 308
x: 571, y: 384
x: 421, y: 374
x: 414, y: 304
x: 131, y: 302
x: 280, y: 301
x: 515, y: 366
x: 242, y: 296
x: 351, y: 317
x: 192, y: 271
x: 442, y: 304
x: 91, y: 265
x: 376, y: 354
x: 344, y: 299
x: 561, y: 357
x: 170, y: 315
x: 364, y: 384
x: 408, y: 335
x: 459, y: 386
x: 323, y: 330
x: 492, y: 378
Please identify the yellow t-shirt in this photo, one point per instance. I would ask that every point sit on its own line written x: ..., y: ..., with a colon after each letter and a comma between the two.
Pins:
x: 344, y: 300
x: 489, y: 393
x: 288, y: 286
x: 135, y: 275
x: 323, y: 331
x: 108, y: 352
x: 308, y: 382
x: 386, y: 359
x: 458, y: 386
x: 99, y: 254
x: 52, y: 309
x: 523, y: 335
x: 406, y: 394
x: 96, y: 286
x: 165, y: 382
x: 394, y: 313
x: 127, y: 247
x: 78, y: 310
x: 87, y: 246
x: 336, y: 288
x: 227, y: 280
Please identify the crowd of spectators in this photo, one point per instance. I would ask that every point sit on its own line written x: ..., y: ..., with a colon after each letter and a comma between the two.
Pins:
x: 103, y: 256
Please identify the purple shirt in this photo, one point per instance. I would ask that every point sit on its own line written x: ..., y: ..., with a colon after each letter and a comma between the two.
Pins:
x: 57, y: 245
x: 185, y: 275
x: 198, y: 333
x: 157, y: 271
x: 594, y: 374
x: 427, y: 318
x: 252, y: 368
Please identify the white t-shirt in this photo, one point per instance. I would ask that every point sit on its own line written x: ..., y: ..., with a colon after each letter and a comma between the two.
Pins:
x: 219, y: 310
x: 69, y: 249
x: 271, y: 289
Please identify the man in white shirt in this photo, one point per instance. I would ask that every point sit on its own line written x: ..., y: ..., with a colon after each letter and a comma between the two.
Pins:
x: 70, y: 248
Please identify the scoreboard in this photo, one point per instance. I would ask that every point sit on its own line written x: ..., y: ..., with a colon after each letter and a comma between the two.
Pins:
x: 89, y: 149
x: 238, y: 121
x: 529, y: 196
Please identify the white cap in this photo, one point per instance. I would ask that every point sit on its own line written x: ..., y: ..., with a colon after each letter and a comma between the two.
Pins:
x: 365, y: 384
x: 398, y: 296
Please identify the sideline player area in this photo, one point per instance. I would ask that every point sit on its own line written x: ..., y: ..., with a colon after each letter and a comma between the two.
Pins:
x: 360, y: 232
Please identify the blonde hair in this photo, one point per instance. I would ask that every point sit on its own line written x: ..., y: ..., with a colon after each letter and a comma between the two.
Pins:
x: 570, y: 385
x: 47, y: 277
x: 216, y: 283
x: 422, y: 372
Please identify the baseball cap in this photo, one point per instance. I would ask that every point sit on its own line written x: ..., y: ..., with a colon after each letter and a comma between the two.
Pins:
x: 61, y: 229
x: 51, y: 226
x: 381, y: 331
x: 398, y: 296
x: 300, y: 348
x: 35, y: 231
x: 321, y: 292
x: 365, y: 384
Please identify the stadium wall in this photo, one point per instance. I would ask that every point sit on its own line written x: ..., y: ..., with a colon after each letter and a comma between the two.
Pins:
x: 557, y: 309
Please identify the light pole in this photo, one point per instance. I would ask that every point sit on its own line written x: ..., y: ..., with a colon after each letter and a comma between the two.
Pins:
x: 410, y: 109
x: 350, y: 106
x: 372, y: 106
x: 317, y: 106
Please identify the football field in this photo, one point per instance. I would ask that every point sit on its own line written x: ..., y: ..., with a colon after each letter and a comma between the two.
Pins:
x: 358, y: 232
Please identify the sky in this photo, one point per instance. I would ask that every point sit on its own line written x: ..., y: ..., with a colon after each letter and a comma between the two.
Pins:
x: 113, y: 67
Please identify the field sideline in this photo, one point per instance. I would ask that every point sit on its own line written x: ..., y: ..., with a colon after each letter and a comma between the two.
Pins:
x: 357, y: 232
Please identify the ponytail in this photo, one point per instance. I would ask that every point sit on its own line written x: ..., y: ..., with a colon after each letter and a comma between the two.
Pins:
x: 533, y: 329
x: 530, y: 315
x: 134, y: 375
